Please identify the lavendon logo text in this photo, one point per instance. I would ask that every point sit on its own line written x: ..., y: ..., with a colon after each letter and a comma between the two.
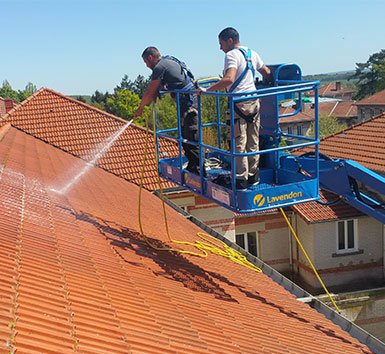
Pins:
x: 260, y: 200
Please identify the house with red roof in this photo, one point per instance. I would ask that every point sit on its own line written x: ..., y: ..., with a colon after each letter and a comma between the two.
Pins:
x: 85, y: 271
x: 371, y: 106
x: 336, y: 90
x: 300, y: 124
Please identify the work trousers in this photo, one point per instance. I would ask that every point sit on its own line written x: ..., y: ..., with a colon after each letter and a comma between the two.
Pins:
x: 190, y: 132
x: 246, y: 138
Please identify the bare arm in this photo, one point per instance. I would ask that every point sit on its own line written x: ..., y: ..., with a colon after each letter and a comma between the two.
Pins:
x: 265, y: 72
x: 149, y: 96
x: 226, y: 81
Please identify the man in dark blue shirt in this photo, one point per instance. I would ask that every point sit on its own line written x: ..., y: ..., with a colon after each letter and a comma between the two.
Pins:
x: 168, y: 73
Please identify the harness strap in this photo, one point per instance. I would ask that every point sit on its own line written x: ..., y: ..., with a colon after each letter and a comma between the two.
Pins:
x: 248, y: 118
x: 249, y: 66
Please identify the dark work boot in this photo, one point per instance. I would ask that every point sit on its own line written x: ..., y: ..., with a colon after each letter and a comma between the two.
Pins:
x: 253, y: 180
x: 241, y: 184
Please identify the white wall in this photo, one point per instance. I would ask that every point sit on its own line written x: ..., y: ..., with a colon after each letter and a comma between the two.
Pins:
x: 320, y: 241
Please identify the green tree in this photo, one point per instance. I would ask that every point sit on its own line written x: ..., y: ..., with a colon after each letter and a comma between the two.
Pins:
x: 123, y: 103
x: 99, y: 100
x: 29, y: 89
x: 328, y: 125
x: 139, y: 86
x: 165, y: 114
x: 81, y: 99
x: 6, y: 91
x: 370, y: 76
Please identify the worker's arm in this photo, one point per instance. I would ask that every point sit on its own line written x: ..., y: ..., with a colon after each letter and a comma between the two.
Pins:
x: 265, y: 72
x: 226, y: 81
x: 149, y: 96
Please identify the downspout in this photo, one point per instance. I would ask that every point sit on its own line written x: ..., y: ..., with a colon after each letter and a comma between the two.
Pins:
x: 296, y: 246
x: 291, y: 248
x: 383, y: 250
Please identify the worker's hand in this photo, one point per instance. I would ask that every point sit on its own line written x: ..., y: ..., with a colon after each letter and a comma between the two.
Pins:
x: 200, y: 90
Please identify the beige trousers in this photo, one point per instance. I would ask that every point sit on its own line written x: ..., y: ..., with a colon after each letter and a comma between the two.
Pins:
x: 246, y: 136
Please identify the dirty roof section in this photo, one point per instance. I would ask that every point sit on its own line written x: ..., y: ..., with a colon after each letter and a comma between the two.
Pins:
x: 76, y: 276
x: 79, y: 128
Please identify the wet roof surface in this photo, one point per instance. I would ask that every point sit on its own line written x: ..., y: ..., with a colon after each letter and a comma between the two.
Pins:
x: 76, y: 276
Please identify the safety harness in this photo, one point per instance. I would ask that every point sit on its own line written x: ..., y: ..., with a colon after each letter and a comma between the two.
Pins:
x: 249, y: 66
x: 186, y: 100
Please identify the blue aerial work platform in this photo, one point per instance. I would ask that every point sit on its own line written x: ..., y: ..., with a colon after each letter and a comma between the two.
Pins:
x: 279, y: 186
x: 285, y: 179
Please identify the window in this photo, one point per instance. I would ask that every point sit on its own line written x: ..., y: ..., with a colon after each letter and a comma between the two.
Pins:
x: 346, y: 236
x: 299, y: 129
x: 248, y: 241
x: 289, y: 130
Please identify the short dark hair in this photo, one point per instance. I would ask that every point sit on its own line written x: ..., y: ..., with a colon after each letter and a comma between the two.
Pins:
x: 151, y: 51
x: 228, y: 33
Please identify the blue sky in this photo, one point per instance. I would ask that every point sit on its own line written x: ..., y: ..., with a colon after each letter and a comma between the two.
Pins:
x: 77, y: 47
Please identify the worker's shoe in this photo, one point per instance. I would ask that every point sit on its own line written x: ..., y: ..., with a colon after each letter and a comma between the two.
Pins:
x: 253, y: 180
x: 241, y: 184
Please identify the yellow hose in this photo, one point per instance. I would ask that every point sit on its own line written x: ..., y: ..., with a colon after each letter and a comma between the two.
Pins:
x: 203, y: 247
x: 308, y: 259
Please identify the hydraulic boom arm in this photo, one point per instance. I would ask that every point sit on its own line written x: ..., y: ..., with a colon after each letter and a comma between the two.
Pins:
x: 358, y: 186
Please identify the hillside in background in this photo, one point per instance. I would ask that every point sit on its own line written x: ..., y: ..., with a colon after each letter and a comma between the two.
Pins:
x: 341, y: 76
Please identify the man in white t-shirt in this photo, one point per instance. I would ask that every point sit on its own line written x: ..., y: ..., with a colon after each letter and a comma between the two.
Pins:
x: 237, y: 78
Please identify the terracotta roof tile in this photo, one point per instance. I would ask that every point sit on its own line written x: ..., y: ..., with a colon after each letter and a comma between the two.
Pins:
x: 315, y: 212
x: 76, y: 276
x: 376, y: 99
x: 79, y: 128
x: 330, y: 89
x: 339, y: 109
x: 363, y: 143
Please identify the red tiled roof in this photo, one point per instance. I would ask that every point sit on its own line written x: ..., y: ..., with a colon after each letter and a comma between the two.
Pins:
x: 339, y: 109
x: 376, y: 99
x: 363, y: 143
x: 315, y: 212
x: 330, y: 89
x: 307, y: 115
x: 79, y: 128
x: 75, y: 276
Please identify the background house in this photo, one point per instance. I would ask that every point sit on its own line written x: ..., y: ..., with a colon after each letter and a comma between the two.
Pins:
x: 336, y: 90
x: 371, y: 106
x: 300, y: 124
